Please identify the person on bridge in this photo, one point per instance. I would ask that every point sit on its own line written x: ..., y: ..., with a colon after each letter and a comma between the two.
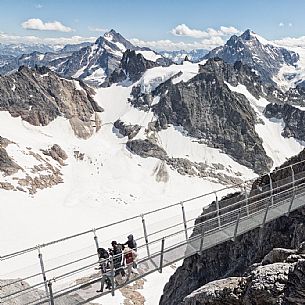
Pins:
x: 116, y: 252
x: 131, y: 243
x: 130, y: 256
x: 104, y: 266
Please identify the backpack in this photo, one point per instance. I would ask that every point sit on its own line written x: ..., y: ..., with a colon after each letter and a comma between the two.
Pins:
x: 129, y: 258
x: 134, y: 254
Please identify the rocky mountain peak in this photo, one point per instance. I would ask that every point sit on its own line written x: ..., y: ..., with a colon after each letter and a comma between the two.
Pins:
x: 132, y: 67
x: 263, y: 57
x: 248, y: 35
x: 114, y: 38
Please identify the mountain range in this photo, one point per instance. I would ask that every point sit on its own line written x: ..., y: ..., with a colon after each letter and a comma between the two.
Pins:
x: 97, y: 128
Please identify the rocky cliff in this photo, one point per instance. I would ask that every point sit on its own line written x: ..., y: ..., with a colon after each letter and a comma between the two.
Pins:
x: 132, y: 67
x: 292, y: 117
x: 263, y: 57
x: 278, y: 279
x: 236, y: 264
x: 208, y: 109
x: 39, y: 95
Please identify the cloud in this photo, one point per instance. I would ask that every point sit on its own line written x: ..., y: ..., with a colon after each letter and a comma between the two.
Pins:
x: 231, y: 30
x: 282, y: 24
x: 38, y: 24
x: 207, y: 39
x: 291, y: 42
x: 38, y: 6
x: 15, y: 39
x: 169, y: 45
x: 184, y: 30
x: 93, y: 29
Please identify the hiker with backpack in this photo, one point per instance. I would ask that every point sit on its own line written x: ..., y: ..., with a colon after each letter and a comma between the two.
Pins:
x: 130, y: 256
x: 104, y: 266
x: 132, y: 244
x: 116, y: 252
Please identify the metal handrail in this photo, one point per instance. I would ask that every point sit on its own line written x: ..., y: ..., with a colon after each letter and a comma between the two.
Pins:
x: 137, y: 216
x: 227, y: 214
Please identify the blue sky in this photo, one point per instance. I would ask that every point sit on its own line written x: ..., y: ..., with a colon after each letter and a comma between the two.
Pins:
x: 148, y: 21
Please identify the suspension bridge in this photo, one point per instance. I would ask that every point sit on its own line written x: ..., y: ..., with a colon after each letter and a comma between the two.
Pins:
x: 71, y: 278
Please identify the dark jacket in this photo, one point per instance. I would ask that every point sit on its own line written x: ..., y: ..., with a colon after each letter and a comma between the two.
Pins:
x: 131, y: 243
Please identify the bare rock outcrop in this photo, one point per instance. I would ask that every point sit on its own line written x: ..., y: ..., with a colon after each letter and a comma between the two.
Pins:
x: 125, y: 130
x: 39, y: 95
x: 293, y: 119
x: 266, y: 259
x: 57, y: 153
x: 7, y: 165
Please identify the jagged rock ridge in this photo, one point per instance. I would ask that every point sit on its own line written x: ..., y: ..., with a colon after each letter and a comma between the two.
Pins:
x: 266, y: 59
x: 93, y: 63
x: 39, y: 95
x: 292, y: 117
x: 207, y: 109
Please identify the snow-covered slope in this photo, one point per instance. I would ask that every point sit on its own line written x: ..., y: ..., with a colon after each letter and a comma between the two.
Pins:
x: 102, y: 181
x: 278, y: 148
x: 180, y: 55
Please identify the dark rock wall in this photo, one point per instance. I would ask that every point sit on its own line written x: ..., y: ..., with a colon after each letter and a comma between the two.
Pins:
x: 232, y: 259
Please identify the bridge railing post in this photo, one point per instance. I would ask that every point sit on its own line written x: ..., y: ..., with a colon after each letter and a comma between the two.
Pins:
x: 236, y: 225
x: 95, y: 240
x: 217, y: 211
x: 43, y: 272
x: 184, y: 221
x: 271, y: 190
x: 247, y: 201
x: 201, y: 239
x: 51, y: 296
x: 270, y: 202
x: 162, y: 254
x: 293, y: 190
x: 112, y: 275
x: 145, y: 235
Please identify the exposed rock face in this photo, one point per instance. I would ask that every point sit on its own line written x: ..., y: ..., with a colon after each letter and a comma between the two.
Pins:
x: 275, y: 283
x: 179, y: 55
x: 44, y: 173
x: 7, y: 165
x: 35, y: 294
x: 264, y: 58
x: 208, y: 109
x: 146, y: 148
x: 293, y: 118
x: 225, y: 291
x: 105, y: 54
x: 40, y: 95
x: 238, y: 259
x: 92, y: 62
x: 132, y: 67
x: 295, y: 287
x: 264, y: 285
x: 127, y: 130
x: 31, y: 56
x: 4, y: 142
x: 57, y: 153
